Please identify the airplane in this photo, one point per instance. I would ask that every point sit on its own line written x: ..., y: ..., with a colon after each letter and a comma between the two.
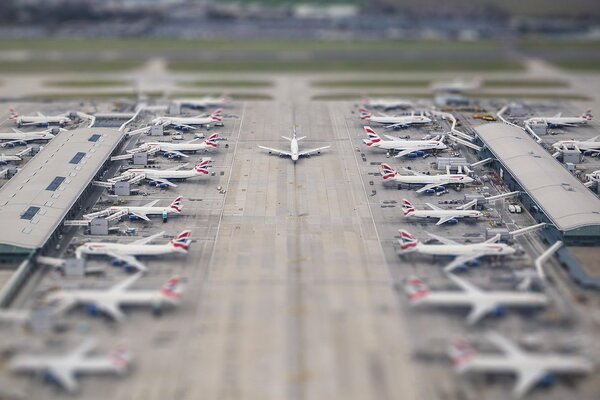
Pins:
x: 443, y: 216
x: 190, y: 122
x: 4, y: 159
x: 586, y: 146
x: 558, y: 120
x: 531, y: 369
x: 395, y: 122
x: 162, y: 177
x: 203, y: 102
x: 62, y: 369
x: 408, y: 148
x: 387, y: 104
x: 139, y: 212
x: 39, y: 119
x: 173, y: 150
x: 456, y: 86
x: 481, y: 303
x: 462, y: 253
x: 126, y: 253
x: 17, y: 137
x: 294, y: 153
x: 432, y: 183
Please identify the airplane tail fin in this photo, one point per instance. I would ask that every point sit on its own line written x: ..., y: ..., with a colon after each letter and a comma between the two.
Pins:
x: 407, y: 241
x: 416, y: 289
x: 173, y: 289
x: 587, y: 115
x: 177, y: 205
x: 182, y: 241
x: 461, y: 353
x: 373, y: 136
x: 216, y: 115
x: 407, y: 207
x: 365, y: 114
x: 13, y: 114
x: 212, y: 140
x: 202, y: 167
x: 120, y: 358
x: 387, y: 172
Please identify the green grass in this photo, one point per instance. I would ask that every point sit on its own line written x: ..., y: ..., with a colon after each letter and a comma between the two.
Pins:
x: 130, y: 95
x: 67, y: 66
x: 578, y: 65
x: 525, y: 83
x: 158, y: 45
x: 533, y: 44
x: 533, y: 96
x: 370, y: 83
x: 87, y: 83
x: 229, y: 84
x: 343, y: 66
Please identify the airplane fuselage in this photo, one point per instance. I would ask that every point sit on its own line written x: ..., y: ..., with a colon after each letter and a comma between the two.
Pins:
x: 429, y: 179
x: 294, y: 149
x: 468, y: 299
x: 402, y: 120
x: 185, y: 120
x: 415, y: 145
x: 166, y: 147
x: 99, y: 248
x: 444, y: 213
x: 165, y: 174
x: 481, y: 249
x: 557, y: 121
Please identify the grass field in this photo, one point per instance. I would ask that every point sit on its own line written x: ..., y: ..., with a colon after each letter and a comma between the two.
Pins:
x: 51, y: 66
x: 417, y: 83
x: 87, y: 83
x: 531, y: 96
x: 344, y: 66
x: 534, y: 44
x: 131, y: 95
x: 229, y: 84
x: 578, y: 65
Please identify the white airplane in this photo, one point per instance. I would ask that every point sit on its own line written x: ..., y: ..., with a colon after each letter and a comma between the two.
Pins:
x: 443, y: 216
x: 462, y: 253
x: 204, y: 102
x: 190, y: 122
x: 39, y: 119
x: 4, y: 159
x: 17, y: 137
x: 139, y: 212
x: 110, y: 301
x: 481, y: 303
x: 408, y: 148
x: 294, y: 153
x: 127, y: 253
x: 432, y: 183
x: 387, y: 104
x: 585, y: 146
x: 558, y: 120
x: 173, y: 150
x: 162, y: 177
x: 395, y: 122
x: 456, y: 86
x: 63, y: 369
x: 531, y: 369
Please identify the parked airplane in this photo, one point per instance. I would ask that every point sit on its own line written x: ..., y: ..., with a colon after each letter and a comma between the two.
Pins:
x: 462, y: 253
x: 586, y: 146
x: 139, y: 212
x: 530, y: 368
x: 401, y: 147
x: 173, y: 150
x: 63, y: 369
x: 127, y: 253
x: 456, y: 86
x: 4, y: 159
x: 395, y: 122
x: 190, y: 122
x: 481, y: 303
x: 432, y: 183
x: 558, y: 120
x: 387, y: 104
x: 17, y: 138
x: 204, y: 102
x: 39, y: 119
x: 294, y: 153
x: 443, y: 216
x: 162, y: 177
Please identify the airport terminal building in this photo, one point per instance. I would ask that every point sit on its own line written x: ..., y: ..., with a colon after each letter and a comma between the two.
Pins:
x: 549, y: 191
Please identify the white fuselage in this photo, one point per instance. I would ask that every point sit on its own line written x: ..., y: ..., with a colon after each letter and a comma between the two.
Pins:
x: 4, y: 158
x: 576, y: 144
x: 133, y: 297
x: 26, y: 136
x: 294, y: 149
x: 442, y: 179
x: 166, y: 147
x: 557, y: 121
x: 415, y: 145
x: 557, y: 363
x: 400, y: 120
x: 444, y: 213
x: 184, y: 120
x: 164, y: 174
x: 133, y: 210
x: 476, y: 249
x: 99, y: 248
x: 42, y: 121
x: 511, y: 298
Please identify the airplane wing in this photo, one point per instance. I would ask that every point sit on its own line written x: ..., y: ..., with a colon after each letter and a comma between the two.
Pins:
x: 176, y: 153
x: 442, y: 239
x: 478, y: 311
x: 557, y: 115
x: 186, y: 126
x: 399, y: 125
x: 64, y: 376
x: 390, y: 137
x: 526, y: 379
x: 130, y: 260
x: 464, y: 285
x: 433, y: 207
x: 430, y: 186
x: 124, y: 284
x: 567, y: 124
x: 403, y: 153
x: 148, y: 239
x: 39, y: 114
x: 508, y: 347
x: 111, y: 308
x: 152, y: 203
x: 460, y: 260
x: 164, y: 182
x: 279, y: 152
x: 312, y: 151
x: 14, y: 142
x: 141, y: 215
x: 443, y: 220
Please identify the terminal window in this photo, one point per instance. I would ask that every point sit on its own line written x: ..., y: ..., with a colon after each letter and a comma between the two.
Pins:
x: 78, y: 157
x: 94, y: 138
x: 30, y: 213
x: 55, y: 183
